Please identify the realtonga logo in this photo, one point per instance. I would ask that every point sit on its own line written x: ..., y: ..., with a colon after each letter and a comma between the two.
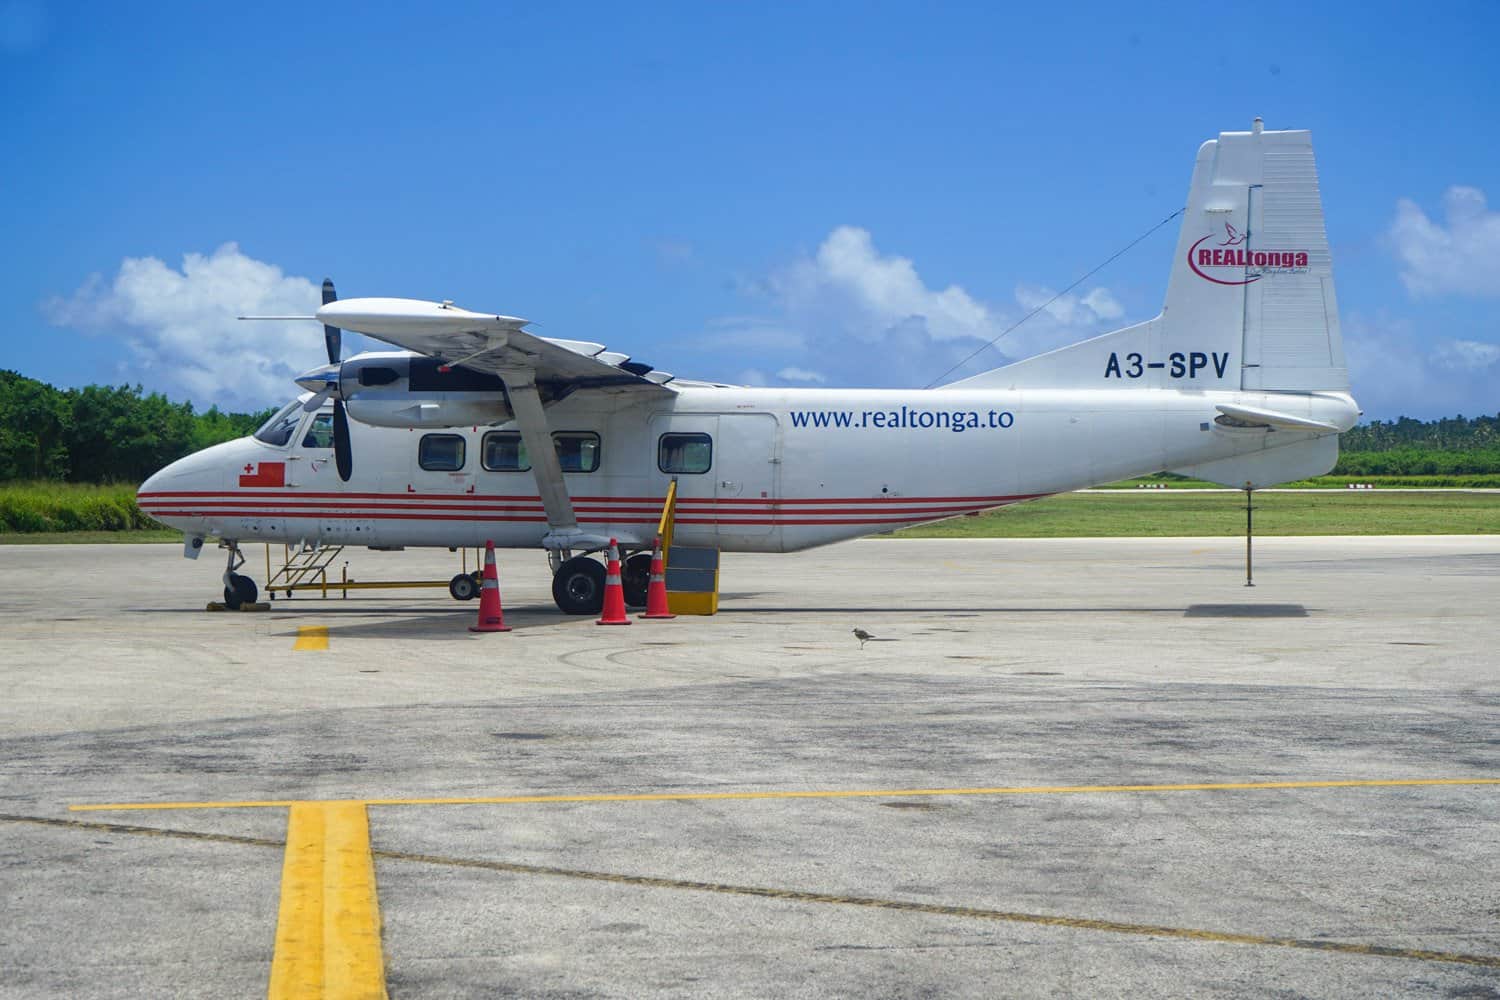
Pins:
x: 1255, y: 264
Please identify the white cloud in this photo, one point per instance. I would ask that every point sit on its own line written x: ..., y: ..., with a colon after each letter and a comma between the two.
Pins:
x: 181, y: 325
x: 791, y: 373
x: 1459, y: 257
x: 1071, y: 310
x: 855, y: 315
x: 868, y: 293
x: 1398, y: 369
x: 1466, y: 355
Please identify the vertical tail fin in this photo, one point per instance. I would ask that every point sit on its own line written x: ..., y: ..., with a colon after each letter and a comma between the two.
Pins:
x: 1252, y: 260
x: 1250, y: 302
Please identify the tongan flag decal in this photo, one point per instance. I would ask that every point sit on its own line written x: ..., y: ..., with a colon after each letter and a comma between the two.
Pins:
x: 263, y: 474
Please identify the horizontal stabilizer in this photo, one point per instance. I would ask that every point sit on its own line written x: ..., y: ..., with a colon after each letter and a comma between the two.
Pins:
x: 1268, y: 466
x: 1257, y: 417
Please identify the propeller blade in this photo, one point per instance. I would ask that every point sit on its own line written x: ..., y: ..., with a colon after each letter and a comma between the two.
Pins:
x: 342, y: 457
x: 333, y: 337
x: 317, y: 400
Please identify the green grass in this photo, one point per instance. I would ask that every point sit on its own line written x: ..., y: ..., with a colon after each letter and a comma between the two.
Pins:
x: 1475, y: 481
x: 90, y: 537
x: 1159, y: 513
x: 50, y: 507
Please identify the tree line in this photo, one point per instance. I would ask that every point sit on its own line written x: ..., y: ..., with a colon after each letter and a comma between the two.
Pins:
x: 102, y: 434
x: 121, y: 434
x: 1406, y: 447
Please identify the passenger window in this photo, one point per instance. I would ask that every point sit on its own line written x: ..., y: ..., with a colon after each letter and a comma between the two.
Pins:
x: 441, y: 452
x: 688, y: 454
x: 503, y: 451
x: 319, y: 432
x: 577, y: 451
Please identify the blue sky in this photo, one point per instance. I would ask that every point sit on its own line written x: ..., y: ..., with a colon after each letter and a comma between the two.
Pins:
x: 822, y: 194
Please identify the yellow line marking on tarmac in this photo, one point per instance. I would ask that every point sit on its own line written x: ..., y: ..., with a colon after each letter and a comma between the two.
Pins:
x: 311, y: 637
x: 798, y: 896
x: 328, y: 927
x: 858, y: 793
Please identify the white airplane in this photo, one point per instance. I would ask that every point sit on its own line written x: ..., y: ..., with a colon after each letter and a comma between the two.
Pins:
x: 477, y: 431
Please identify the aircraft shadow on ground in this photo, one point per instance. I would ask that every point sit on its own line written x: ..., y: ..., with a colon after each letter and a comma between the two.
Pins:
x: 399, y: 623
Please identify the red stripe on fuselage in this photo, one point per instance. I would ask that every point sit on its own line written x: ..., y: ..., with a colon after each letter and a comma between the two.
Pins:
x: 358, y: 516
x: 773, y: 507
x: 533, y: 498
x: 727, y: 511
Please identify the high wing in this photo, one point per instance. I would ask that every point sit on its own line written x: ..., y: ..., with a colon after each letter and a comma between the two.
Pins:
x: 490, y: 343
x: 496, y: 344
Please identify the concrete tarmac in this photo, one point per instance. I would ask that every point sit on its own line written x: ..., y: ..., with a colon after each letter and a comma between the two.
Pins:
x: 970, y: 805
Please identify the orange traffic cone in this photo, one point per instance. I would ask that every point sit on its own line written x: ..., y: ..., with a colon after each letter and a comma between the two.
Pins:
x: 656, y: 590
x: 614, y: 591
x: 490, y: 617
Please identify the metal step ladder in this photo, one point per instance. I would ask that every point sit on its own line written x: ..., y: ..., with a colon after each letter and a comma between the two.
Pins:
x: 303, y: 567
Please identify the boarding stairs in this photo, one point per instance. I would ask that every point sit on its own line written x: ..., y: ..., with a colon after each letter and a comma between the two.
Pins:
x: 303, y: 567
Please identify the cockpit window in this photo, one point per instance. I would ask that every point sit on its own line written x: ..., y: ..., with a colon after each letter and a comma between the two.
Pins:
x: 280, y: 428
x: 319, y: 432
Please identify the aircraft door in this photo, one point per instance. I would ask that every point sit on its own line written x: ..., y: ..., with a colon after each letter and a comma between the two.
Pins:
x: 442, y: 462
x: 312, y: 471
x: 309, y: 464
x: 746, y: 469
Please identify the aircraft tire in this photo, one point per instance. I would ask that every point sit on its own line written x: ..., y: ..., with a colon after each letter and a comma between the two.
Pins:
x: 241, y: 590
x: 635, y: 577
x: 578, y: 586
x: 463, y: 587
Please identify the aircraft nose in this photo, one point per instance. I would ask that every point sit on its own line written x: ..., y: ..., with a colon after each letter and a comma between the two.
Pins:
x: 163, y: 478
x: 153, y: 483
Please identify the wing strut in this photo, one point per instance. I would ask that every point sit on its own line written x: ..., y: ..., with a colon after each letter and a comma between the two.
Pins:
x: 531, y: 421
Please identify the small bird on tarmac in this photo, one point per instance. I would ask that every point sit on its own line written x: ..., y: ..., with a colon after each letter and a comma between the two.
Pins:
x: 862, y: 636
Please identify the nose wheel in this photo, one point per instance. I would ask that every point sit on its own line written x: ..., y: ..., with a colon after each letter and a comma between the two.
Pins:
x: 239, y: 589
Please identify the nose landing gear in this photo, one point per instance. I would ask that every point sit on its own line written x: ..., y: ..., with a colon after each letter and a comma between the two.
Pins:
x: 238, y: 588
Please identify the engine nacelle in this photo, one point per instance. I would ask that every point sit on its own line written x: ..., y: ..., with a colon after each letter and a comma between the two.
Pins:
x: 429, y: 412
x: 405, y: 390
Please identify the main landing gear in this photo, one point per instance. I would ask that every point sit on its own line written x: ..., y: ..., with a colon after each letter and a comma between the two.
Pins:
x: 578, y: 583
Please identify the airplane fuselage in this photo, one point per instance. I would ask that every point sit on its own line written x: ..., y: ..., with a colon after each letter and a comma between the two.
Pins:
x: 781, y: 469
